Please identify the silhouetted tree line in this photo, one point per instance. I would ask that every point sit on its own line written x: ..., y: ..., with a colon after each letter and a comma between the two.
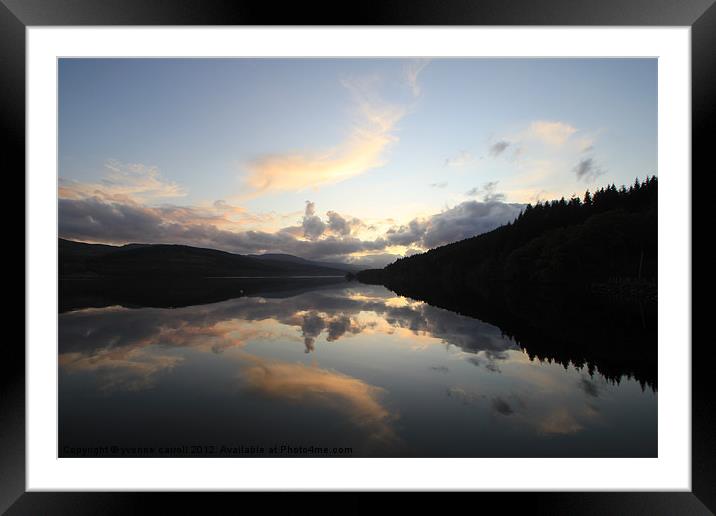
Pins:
x: 606, y: 236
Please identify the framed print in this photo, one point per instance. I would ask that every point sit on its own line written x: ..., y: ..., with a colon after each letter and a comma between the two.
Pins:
x: 415, y: 250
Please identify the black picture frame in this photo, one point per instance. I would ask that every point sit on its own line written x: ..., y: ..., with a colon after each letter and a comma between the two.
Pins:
x: 17, y: 15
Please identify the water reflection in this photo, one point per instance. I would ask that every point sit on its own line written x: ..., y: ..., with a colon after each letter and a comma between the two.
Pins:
x: 339, y: 365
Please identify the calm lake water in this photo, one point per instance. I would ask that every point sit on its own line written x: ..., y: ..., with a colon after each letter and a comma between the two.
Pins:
x: 327, y: 368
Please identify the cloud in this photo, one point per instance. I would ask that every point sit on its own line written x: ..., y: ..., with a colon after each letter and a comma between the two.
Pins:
x: 373, y: 131
x: 101, y: 220
x: 336, y: 224
x: 340, y: 325
x: 490, y: 359
x: 339, y: 225
x: 299, y: 383
x: 502, y: 407
x: 543, y: 153
x: 462, y: 395
x: 133, y: 181
x: 554, y: 135
x: 487, y: 192
x: 587, y: 170
x: 559, y: 421
x: 412, y: 71
x: 310, y: 209
x: 120, y: 220
x: 313, y: 226
x: 460, y: 160
x: 465, y: 220
x: 442, y: 184
x: 128, y: 348
x: 96, y: 219
x: 498, y: 148
x: 134, y: 370
x: 589, y: 387
x: 311, y: 326
x: 551, y: 133
x: 373, y: 260
x: 468, y: 219
x: 411, y: 233
x: 131, y: 349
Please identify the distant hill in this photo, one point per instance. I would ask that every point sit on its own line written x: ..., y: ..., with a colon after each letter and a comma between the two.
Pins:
x: 347, y: 267
x: 607, y: 240
x: 77, y: 259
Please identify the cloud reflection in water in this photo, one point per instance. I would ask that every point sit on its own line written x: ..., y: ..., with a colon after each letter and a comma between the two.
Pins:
x: 386, y: 364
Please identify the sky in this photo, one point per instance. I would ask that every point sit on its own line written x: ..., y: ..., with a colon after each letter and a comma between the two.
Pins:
x: 354, y: 160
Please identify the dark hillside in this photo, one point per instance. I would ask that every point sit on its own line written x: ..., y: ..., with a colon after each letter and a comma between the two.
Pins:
x: 138, y: 260
x: 278, y: 257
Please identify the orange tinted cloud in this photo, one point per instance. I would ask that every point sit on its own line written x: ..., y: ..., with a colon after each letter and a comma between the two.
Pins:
x: 552, y: 133
x: 132, y: 369
x: 124, y: 181
x: 362, y: 150
x: 300, y: 383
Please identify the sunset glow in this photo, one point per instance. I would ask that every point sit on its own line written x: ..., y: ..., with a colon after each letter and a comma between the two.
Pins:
x: 355, y: 160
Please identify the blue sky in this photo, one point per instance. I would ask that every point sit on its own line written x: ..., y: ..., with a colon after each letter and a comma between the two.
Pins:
x: 353, y: 159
